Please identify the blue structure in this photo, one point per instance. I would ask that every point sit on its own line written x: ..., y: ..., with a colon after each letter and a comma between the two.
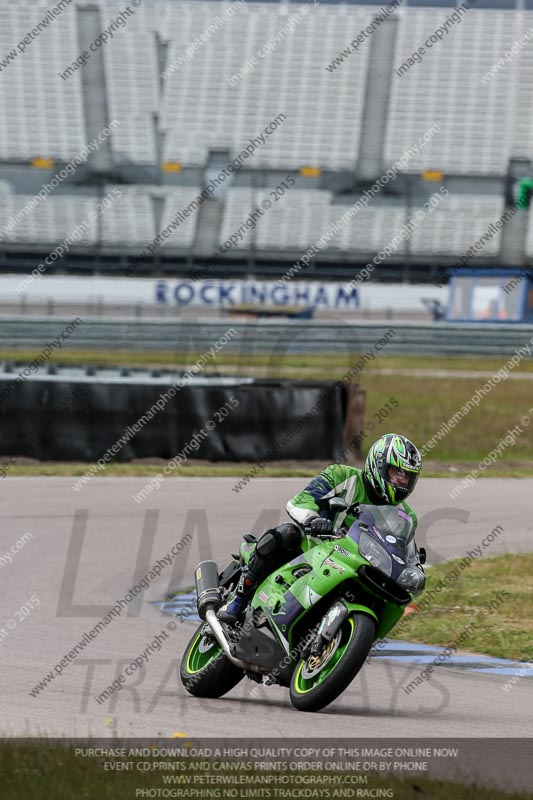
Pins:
x: 491, y: 295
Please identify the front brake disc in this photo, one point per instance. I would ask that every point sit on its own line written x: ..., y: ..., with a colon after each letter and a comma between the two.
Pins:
x: 315, y: 664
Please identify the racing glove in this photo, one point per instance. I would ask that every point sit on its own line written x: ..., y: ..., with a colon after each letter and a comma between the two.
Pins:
x: 320, y: 526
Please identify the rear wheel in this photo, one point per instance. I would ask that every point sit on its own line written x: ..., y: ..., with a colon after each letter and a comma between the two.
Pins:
x: 318, y: 680
x: 205, y: 671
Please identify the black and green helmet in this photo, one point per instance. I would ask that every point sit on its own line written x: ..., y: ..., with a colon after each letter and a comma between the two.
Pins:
x: 392, y: 450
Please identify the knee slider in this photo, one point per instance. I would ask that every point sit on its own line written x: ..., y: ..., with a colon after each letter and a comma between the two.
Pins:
x: 291, y: 535
x: 268, y: 543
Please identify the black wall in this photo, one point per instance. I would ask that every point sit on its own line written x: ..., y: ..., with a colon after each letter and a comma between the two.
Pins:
x: 56, y: 420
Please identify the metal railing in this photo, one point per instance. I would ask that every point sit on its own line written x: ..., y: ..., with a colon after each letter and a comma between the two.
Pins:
x: 276, y: 337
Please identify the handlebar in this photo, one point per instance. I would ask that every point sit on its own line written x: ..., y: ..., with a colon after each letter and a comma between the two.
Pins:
x: 336, y: 533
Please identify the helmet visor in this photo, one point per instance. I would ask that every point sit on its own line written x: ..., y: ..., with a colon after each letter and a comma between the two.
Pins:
x: 402, y: 481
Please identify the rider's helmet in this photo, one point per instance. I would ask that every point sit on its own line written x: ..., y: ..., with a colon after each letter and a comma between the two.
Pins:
x: 392, y: 450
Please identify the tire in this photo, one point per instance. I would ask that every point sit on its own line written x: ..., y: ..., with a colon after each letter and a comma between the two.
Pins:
x: 208, y: 673
x: 352, y: 645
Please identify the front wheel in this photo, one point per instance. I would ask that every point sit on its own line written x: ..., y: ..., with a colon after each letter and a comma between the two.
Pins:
x: 319, y: 680
x: 205, y: 671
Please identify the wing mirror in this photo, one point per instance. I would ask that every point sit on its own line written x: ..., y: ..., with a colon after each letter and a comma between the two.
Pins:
x: 422, y: 555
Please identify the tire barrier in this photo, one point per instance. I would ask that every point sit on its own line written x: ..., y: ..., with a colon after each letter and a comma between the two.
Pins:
x: 71, y: 420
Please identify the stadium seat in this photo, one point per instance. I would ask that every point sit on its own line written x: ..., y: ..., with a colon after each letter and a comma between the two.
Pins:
x: 479, y: 120
x: 33, y: 98
x: 203, y: 110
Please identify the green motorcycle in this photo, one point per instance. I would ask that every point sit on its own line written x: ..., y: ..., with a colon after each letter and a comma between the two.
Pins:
x: 311, y: 624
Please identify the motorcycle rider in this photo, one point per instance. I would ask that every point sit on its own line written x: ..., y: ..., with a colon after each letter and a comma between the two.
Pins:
x: 389, y: 475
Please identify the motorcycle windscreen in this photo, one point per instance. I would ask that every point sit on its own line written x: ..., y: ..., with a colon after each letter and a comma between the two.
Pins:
x: 391, y: 520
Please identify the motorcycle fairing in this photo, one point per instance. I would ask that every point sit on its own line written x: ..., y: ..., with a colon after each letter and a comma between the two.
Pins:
x: 284, y: 597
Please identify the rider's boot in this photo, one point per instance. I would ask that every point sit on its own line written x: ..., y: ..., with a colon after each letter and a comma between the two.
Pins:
x: 235, y: 608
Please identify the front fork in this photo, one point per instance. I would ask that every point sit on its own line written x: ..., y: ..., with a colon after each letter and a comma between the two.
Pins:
x: 332, y: 621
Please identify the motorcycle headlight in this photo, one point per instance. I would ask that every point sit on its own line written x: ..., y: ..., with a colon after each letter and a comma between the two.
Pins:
x: 376, y: 554
x: 412, y: 579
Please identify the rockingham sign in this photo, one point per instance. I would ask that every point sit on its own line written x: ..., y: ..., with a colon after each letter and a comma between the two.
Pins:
x: 270, y: 293
x: 205, y: 294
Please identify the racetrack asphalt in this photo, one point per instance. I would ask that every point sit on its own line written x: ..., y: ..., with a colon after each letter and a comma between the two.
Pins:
x: 89, y: 547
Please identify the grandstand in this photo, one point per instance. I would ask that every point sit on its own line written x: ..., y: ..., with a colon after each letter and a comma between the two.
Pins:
x: 324, y: 112
x: 342, y: 119
x: 480, y: 122
x: 32, y: 97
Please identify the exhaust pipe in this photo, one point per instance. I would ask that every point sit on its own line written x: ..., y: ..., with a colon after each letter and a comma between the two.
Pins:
x: 207, y: 591
x: 220, y: 636
x: 208, y: 602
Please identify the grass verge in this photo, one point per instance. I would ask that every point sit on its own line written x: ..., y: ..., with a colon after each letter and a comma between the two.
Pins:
x: 46, y: 771
x: 319, y: 365
x: 424, y: 402
x: 503, y: 632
